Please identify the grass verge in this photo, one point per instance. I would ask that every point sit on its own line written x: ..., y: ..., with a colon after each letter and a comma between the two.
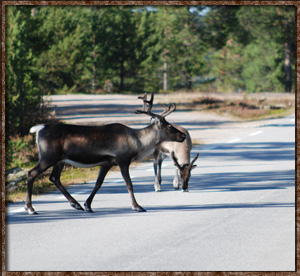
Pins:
x: 70, y: 175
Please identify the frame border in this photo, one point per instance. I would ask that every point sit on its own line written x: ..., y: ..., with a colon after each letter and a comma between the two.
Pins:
x: 296, y: 4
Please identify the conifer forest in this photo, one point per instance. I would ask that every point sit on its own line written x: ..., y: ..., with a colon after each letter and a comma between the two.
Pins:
x: 133, y: 49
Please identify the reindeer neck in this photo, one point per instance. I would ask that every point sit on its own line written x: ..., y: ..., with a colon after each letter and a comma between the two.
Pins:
x: 149, y: 136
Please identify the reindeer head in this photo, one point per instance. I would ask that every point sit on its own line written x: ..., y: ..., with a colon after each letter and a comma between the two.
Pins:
x: 166, y: 131
x: 185, y: 171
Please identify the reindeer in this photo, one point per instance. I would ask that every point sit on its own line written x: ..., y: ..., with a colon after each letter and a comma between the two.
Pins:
x: 90, y: 146
x: 179, y: 153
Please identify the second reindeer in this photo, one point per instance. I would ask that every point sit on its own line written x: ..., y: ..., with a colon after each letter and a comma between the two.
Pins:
x: 179, y: 153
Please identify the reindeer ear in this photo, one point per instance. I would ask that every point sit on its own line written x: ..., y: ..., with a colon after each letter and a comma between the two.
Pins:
x: 193, y: 167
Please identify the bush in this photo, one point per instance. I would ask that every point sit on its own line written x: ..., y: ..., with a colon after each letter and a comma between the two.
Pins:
x: 20, y: 152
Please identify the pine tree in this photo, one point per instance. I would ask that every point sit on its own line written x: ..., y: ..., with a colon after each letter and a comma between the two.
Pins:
x: 22, y: 91
x: 271, y: 49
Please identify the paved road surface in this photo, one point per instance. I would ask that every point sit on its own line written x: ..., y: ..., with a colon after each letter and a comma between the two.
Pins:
x: 238, y: 216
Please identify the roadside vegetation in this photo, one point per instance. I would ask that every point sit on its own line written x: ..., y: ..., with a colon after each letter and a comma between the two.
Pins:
x: 245, y: 107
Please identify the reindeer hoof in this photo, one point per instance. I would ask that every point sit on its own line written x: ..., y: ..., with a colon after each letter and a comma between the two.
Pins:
x: 76, y: 206
x: 30, y: 212
x: 33, y: 213
x: 139, y: 209
x: 176, y: 188
x: 157, y: 188
x: 88, y: 209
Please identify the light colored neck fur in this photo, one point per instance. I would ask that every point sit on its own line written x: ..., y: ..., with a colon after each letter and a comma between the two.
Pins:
x: 149, y: 136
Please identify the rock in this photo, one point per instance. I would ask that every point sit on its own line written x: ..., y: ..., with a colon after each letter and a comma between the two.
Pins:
x: 13, y: 179
x: 13, y: 186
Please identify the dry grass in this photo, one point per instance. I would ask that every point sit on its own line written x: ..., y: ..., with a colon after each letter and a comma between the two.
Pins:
x: 42, y: 185
x: 70, y: 175
x: 243, y: 106
x: 247, y: 108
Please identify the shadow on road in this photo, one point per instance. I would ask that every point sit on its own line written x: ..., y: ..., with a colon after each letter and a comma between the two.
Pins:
x: 221, y: 206
x: 123, y: 111
x: 258, y: 151
x: 200, y: 182
x: 71, y: 214
x: 243, y: 181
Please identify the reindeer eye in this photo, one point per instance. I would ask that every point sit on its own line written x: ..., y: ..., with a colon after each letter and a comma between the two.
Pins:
x: 169, y: 126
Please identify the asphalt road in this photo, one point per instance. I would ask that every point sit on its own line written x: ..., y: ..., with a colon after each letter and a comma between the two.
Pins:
x: 238, y: 216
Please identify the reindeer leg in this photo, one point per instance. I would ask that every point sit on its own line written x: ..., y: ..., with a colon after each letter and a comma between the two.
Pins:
x: 157, y: 162
x: 32, y: 175
x: 160, y: 160
x: 125, y: 173
x: 176, y: 180
x: 55, y: 178
x: 102, y: 173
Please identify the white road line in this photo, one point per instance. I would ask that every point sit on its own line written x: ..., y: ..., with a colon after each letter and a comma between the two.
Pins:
x: 118, y: 180
x: 256, y: 133
x: 16, y: 211
x: 234, y: 140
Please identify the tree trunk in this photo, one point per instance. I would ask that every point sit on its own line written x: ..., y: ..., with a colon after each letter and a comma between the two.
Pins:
x: 94, y: 66
x: 165, y: 74
x: 287, y: 67
x: 33, y: 12
x: 20, y: 109
x: 122, y: 74
x: 122, y: 58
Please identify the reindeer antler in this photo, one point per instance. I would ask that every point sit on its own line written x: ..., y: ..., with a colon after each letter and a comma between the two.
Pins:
x: 175, y: 161
x: 150, y: 105
x: 168, y: 109
x: 144, y: 98
x: 145, y: 102
x: 191, y: 166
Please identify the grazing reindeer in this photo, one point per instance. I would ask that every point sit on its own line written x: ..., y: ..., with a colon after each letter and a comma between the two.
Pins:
x: 179, y: 153
x: 90, y: 146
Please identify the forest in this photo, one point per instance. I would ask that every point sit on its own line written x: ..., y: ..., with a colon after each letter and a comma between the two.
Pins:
x: 118, y: 49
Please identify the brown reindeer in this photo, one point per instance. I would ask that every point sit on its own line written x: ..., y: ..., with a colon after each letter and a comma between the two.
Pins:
x: 89, y: 146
